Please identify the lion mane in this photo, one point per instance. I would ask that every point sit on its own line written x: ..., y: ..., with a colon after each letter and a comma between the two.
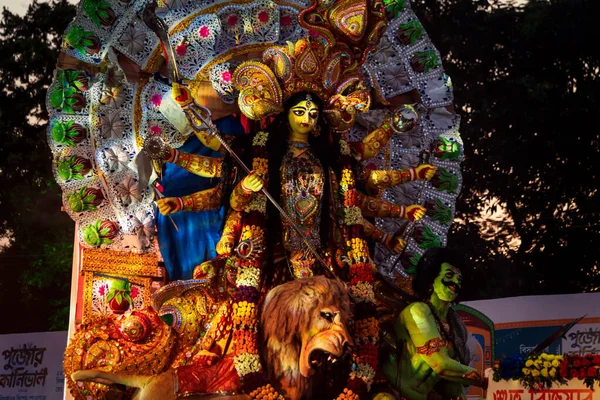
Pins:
x: 291, y: 315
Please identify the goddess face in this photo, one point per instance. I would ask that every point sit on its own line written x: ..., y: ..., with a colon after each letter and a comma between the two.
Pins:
x: 448, y: 283
x: 303, y: 117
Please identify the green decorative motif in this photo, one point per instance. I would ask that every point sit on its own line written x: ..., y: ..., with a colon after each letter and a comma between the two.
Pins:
x: 74, y: 79
x: 97, y: 10
x: 79, y: 39
x: 410, y: 32
x: 119, y: 290
x: 62, y: 133
x: 395, y: 6
x: 430, y: 239
x: 425, y: 61
x: 442, y: 213
x: 447, y: 181
x: 62, y: 99
x: 86, y: 199
x: 100, y: 232
x: 447, y: 150
x: 72, y: 168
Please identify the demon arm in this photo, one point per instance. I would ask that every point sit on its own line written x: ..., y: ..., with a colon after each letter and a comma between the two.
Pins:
x: 383, y: 179
x: 207, y: 167
x: 392, y: 242
x: 429, y: 344
x: 372, y: 144
x: 373, y: 207
x: 208, y: 199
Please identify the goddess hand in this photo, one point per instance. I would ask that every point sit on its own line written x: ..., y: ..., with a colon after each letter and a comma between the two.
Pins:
x: 414, y: 212
x: 181, y: 95
x: 225, y: 245
x: 252, y: 183
x: 169, y: 205
x: 425, y: 172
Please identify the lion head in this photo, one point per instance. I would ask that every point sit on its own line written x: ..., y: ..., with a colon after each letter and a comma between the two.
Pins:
x: 303, y: 328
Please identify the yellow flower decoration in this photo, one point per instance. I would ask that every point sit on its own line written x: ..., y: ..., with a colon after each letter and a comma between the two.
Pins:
x: 252, y: 231
x: 260, y: 166
x: 555, y: 363
x: 552, y: 372
x: 547, y: 364
x: 545, y: 372
x: 535, y: 373
x: 528, y: 363
x: 526, y: 371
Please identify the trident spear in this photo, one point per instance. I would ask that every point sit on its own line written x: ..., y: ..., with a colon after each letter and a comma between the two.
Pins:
x: 199, y: 118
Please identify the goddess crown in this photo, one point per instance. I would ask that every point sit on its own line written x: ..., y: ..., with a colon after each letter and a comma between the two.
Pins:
x: 326, y: 64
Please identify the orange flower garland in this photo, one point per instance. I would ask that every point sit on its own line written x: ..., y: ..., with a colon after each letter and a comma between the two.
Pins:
x: 247, y: 360
x: 361, y: 287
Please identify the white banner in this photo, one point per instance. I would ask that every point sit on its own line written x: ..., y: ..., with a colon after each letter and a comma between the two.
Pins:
x: 511, y: 390
x: 31, y: 366
x: 582, y: 339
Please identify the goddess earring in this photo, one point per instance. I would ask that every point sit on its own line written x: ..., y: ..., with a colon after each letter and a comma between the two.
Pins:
x: 317, y: 131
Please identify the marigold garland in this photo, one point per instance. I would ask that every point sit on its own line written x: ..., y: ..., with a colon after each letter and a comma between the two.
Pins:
x: 361, y: 284
x: 247, y: 361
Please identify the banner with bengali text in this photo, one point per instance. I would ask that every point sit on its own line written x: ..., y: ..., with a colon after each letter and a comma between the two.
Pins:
x: 582, y: 339
x: 511, y: 390
x: 31, y: 366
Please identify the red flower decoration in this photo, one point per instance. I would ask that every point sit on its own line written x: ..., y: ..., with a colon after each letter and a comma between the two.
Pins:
x: 596, y: 360
x: 577, y: 363
x: 592, y: 372
x: 263, y: 16
x: 582, y: 373
x: 134, y: 292
x: 155, y: 130
x: 102, y: 290
x: 585, y: 362
x: 204, y: 31
x: 156, y: 100
x: 181, y: 49
x: 564, y: 372
x: 574, y: 374
x: 286, y: 20
x: 232, y: 20
x: 313, y: 34
x: 226, y: 76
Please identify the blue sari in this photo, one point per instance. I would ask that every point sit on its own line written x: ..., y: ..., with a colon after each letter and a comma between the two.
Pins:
x: 199, y: 232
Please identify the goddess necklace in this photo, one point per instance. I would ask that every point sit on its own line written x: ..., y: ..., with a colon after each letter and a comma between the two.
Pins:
x: 298, y: 145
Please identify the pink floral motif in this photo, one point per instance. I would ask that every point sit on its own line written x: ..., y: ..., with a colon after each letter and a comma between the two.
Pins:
x: 263, y: 16
x: 156, y: 99
x: 102, y: 290
x: 204, y: 31
x: 155, y: 130
x: 134, y: 292
x: 286, y: 20
x: 181, y: 49
x: 232, y: 20
x: 226, y: 76
x: 313, y: 34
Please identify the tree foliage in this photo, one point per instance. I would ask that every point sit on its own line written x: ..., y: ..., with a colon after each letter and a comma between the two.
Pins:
x: 35, y: 266
x: 526, y: 82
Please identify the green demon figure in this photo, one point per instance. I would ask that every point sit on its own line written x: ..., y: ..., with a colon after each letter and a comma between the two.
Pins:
x: 431, y: 357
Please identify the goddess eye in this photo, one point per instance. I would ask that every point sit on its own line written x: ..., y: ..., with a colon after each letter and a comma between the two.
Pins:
x: 299, y: 112
x: 449, y: 275
x: 313, y: 114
